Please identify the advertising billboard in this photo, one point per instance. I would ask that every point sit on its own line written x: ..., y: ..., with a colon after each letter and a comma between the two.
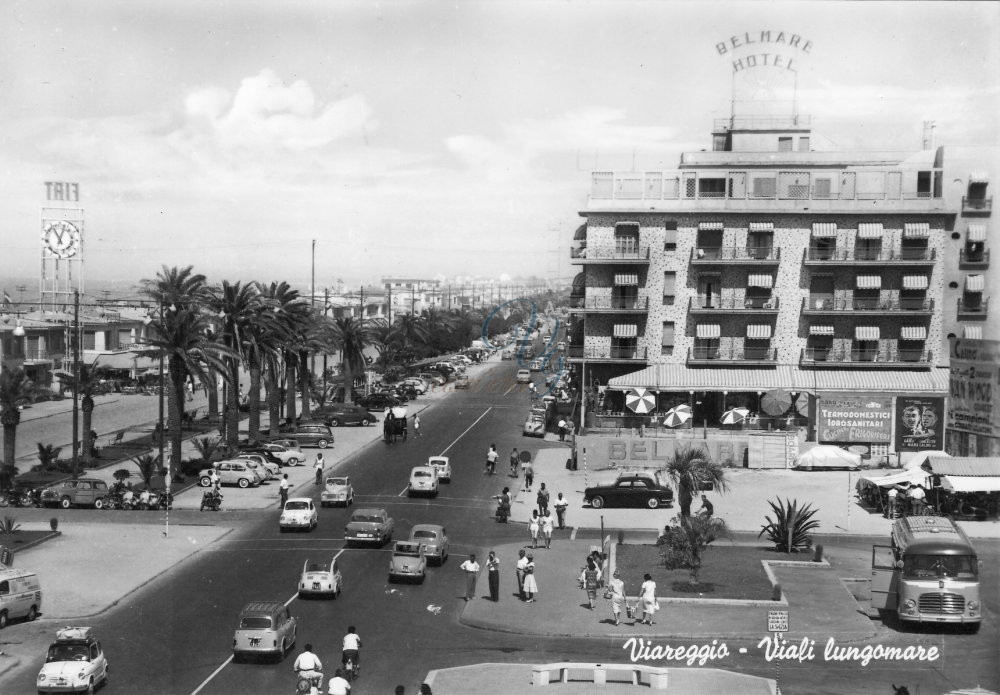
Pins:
x: 919, y: 423
x: 854, y: 418
x: 973, y: 385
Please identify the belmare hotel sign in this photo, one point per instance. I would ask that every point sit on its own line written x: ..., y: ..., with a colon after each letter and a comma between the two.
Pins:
x: 764, y: 48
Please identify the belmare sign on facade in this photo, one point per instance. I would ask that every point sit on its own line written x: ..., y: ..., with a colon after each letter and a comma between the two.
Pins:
x: 764, y: 48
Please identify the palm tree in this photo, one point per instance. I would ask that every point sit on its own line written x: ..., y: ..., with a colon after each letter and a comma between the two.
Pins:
x: 86, y: 383
x: 148, y: 466
x: 437, y: 325
x: 410, y: 333
x: 351, y: 337
x: 48, y: 455
x: 15, y: 391
x: 292, y: 314
x: 689, y: 470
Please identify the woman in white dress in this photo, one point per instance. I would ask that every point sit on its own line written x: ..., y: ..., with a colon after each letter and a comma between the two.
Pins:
x: 616, y: 587
x: 530, y: 585
x: 647, y: 595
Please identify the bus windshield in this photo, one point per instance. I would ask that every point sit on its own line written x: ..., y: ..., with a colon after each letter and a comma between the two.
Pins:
x: 937, y: 566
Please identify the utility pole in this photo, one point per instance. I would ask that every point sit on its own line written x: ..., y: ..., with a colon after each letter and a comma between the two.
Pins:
x: 361, y: 309
x: 326, y: 305
x: 413, y: 299
x: 312, y: 303
x: 388, y: 289
x: 76, y: 384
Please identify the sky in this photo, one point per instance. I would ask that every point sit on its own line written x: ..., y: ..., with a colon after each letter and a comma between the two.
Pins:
x: 423, y: 138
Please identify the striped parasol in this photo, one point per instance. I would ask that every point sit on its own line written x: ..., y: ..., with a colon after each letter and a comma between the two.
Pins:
x: 776, y: 402
x: 735, y: 416
x: 678, y: 415
x: 640, y: 400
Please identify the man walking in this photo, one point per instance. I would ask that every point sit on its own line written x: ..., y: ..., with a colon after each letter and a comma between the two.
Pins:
x: 320, y: 466
x: 529, y: 475
x: 416, y: 425
x: 283, y: 491
x: 543, y: 500
x: 562, y: 430
x: 515, y: 462
x: 471, y: 569
x: 561, y: 504
x: 491, y: 460
x: 522, y: 562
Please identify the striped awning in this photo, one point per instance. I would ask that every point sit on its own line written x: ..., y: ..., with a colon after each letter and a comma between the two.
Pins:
x: 977, y: 232
x: 625, y: 330
x: 759, y: 331
x: 916, y: 230
x: 762, y: 226
x: 972, y: 332
x: 979, y: 177
x: 626, y: 279
x: 707, y: 330
x: 869, y: 282
x: 824, y: 229
x: 866, y: 333
x: 711, y: 226
x: 975, y: 283
x: 870, y: 230
x: 760, y: 280
x: 820, y: 330
x: 913, y: 333
x: 915, y: 282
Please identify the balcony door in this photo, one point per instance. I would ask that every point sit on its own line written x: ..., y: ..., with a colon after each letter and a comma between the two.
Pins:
x: 709, y: 289
x: 626, y: 239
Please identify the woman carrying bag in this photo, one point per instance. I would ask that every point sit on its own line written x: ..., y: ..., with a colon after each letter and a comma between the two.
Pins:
x: 616, y: 592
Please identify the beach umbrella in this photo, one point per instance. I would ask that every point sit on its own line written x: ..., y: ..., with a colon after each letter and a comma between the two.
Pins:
x: 776, y: 402
x: 678, y: 415
x: 735, y: 416
x: 802, y: 404
x: 640, y: 400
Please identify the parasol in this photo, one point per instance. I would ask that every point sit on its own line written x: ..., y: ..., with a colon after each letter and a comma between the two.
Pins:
x: 735, y: 416
x: 640, y: 400
x: 776, y: 402
x: 802, y: 404
x: 678, y: 415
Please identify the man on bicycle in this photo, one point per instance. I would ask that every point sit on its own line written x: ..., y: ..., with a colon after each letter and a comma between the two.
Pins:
x: 308, y: 665
x: 352, y: 649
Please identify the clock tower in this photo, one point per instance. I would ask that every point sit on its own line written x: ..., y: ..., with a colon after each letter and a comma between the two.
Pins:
x: 61, y: 267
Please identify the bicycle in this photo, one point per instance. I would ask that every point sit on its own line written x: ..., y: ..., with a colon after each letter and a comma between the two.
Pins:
x: 352, y: 669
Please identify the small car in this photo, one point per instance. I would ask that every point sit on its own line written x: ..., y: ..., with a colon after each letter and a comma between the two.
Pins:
x: 631, y: 489
x: 311, y: 434
x: 321, y: 579
x: 405, y: 391
x: 463, y: 358
x: 442, y: 464
x: 433, y: 539
x: 341, y: 414
x: 535, y: 366
x: 534, y: 424
x: 423, y: 480
x: 83, y: 492
x: 287, y: 451
x: 272, y: 470
x: 561, y: 346
x: 369, y: 525
x: 231, y: 472
x: 247, y: 447
x: 298, y: 512
x: 507, y: 354
x: 462, y: 382
x: 407, y: 562
x: 432, y: 378
x: 265, y: 628
x: 418, y: 384
x: 523, y: 376
x: 378, y: 401
x: 337, y: 491
x: 74, y: 662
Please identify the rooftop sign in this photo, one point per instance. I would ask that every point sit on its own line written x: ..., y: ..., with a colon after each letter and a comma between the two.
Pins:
x: 764, y: 48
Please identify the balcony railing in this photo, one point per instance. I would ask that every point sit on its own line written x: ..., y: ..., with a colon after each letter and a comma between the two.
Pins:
x: 616, y: 303
x: 979, y: 308
x: 612, y: 353
x: 890, y: 357
x: 736, y: 254
x: 734, y: 354
x: 845, y: 255
x: 733, y: 304
x: 611, y: 253
x: 36, y: 355
x: 977, y: 204
x: 825, y: 304
x: 979, y: 259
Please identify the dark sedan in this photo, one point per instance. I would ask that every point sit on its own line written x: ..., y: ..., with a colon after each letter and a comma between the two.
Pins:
x: 379, y: 401
x: 340, y: 414
x: 631, y: 489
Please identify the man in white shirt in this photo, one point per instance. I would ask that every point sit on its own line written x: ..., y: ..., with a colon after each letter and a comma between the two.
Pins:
x: 308, y: 665
x: 338, y: 684
x: 890, y: 507
x: 471, y: 569
x: 283, y: 491
x: 352, y: 647
x: 320, y: 465
x: 917, y: 496
x: 562, y: 430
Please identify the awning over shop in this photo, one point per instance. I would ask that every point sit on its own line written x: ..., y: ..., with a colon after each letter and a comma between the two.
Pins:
x: 870, y: 230
x: 711, y: 226
x: 626, y: 279
x: 959, y: 483
x: 979, y: 177
x: 869, y: 282
x: 913, y: 476
x: 866, y: 333
x: 820, y: 330
x: 759, y: 331
x: 916, y: 230
x: 708, y: 330
x: 913, y: 333
x: 972, y: 332
x: 625, y: 330
x: 762, y: 226
x: 963, y: 465
x: 824, y: 230
x: 123, y: 360
x: 975, y: 283
x: 915, y: 282
x: 760, y: 280
x: 977, y: 232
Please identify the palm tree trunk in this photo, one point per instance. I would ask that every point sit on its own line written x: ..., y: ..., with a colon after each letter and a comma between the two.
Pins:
x: 9, y: 438
x: 348, y: 381
x: 254, y: 400
x: 88, y: 442
x: 213, y: 396
x: 304, y: 383
x: 175, y: 415
x: 273, y: 396
x: 233, y: 405
x: 290, y: 386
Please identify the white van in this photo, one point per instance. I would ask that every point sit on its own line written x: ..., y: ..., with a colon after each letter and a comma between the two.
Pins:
x: 20, y: 595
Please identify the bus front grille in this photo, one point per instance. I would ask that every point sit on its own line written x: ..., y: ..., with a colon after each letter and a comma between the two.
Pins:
x: 941, y: 603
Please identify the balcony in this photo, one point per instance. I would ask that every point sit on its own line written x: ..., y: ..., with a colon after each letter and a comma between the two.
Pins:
x: 973, y: 260
x: 610, y: 254
x: 977, y: 206
x: 841, y: 256
x: 606, y: 354
x: 823, y: 306
x: 973, y: 309
x: 38, y: 356
x: 752, y: 305
x: 736, y: 255
x: 892, y: 358
x: 611, y: 305
x: 750, y: 357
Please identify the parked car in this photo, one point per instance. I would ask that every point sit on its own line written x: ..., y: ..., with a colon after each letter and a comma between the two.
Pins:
x: 463, y: 358
x: 74, y: 662
x: 423, y: 480
x: 248, y: 447
x: 631, y: 489
x: 265, y: 628
x: 442, y: 464
x: 379, y: 402
x: 432, y: 378
x: 534, y: 424
x: 369, y: 526
x: 321, y: 579
x: 272, y: 471
x: 418, y: 384
x: 83, y: 492
x: 535, y: 366
x: 434, y: 540
x: 287, y: 451
x: 311, y: 434
x: 298, y: 513
x: 407, y: 562
x: 406, y: 391
x: 523, y: 376
x: 462, y: 382
x: 340, y: 414
x: 507, y: 354
x: 337, y: 491
x: 231, y: 472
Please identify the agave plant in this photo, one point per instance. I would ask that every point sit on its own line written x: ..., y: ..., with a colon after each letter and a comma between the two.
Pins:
x: 790, y: 529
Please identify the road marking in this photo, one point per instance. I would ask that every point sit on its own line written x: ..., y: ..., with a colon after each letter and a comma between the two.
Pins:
x: 466, y: 431
x: 230, y: 659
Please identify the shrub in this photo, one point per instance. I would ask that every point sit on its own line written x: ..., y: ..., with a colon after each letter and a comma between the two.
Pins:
x: 789, y: 531
x: 685, y: 541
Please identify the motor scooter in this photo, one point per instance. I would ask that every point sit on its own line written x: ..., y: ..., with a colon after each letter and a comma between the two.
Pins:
x: 503, y: 510
x: 211, y: 500
x: 309, y: 686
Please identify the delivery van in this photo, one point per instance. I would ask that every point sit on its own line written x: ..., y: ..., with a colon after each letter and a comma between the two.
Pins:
x: 20, y: 596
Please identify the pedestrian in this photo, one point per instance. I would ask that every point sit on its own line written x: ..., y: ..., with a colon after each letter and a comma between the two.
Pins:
x: 534, y: 525
x: 532, y: 391
x: 471, y: 569
x: 530, y: 585
x: 542, y: 498
x: 515, y: 462
x: 706, y: 508
x: 522, y: 562
x: 560, y: 504
x: 283, y: 491
x: 529, y: 475
x: 416, y: 425
x: 588, y: 581
x: 320, y: 466
x: 890, y: 507
x: 491, y: 460
x: 562, y: 430
x: 424, y: 689
x: 616, y: 592
x: 216, y: 480
x: 189, y: 389
x: 547, y: 525
x: 493, y: 574
x: 917, y: 497
x: 647, y: 595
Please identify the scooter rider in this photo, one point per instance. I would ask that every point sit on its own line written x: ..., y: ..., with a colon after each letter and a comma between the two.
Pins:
x: 308, y: 665
x: 338, y: 684
x: 352, y: 648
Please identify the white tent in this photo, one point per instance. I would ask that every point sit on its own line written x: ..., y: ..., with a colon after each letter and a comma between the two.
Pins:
x: 912, y: 476
x: 970, y: 483
x: 826, y: 456
x: 916, y: 459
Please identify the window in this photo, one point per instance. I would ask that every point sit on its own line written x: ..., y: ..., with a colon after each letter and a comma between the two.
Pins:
x: 923, y: 184
x: 764, y: 188
x: 670, y: 237
x: 669, y: 282
x: 784, y: 144
x: 822, y: 188
x: 803, y: 144
x: 867, y: 249
x: 89, y: 340
x: 627, y: 237
x: 667, y: 341
x: 711, y: 188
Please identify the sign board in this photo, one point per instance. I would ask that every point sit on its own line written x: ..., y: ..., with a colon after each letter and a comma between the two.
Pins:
x: 777, y: 621
x: 854, y: 418
x: 973, y: 383
x: 919, y: 424
x: 6, y: 556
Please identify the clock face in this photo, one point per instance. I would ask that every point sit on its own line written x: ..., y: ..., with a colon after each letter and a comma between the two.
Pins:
x: 61, y: 238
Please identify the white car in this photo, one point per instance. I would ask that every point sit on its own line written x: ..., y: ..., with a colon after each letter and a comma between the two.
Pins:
x: 75, y: 662
x: 299, y: 512
x: 272, y: 470
x: 463, y: 358
x: 523, y: 376
x: 287, y: 451
x: 321, y: 579
x: 423, y: 480
x: 419, y: 385
x: 442, y: 465
x: 338, y: 491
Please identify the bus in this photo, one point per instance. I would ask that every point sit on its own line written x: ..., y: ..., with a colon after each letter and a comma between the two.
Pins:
x: 930, y: 573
